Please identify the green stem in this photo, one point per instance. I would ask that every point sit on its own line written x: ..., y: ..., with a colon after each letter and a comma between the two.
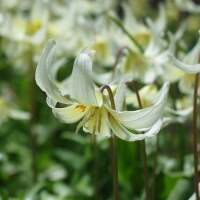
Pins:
x: 115, y: 166
x: 194, y: 137
x: 117, y: 57
x: 115, y: 146
x: 118, y: 23
x: 155, y: 168
x: 181, y: 147
x: 32, y: 109
x: 96, y: 167
x: 143, y: 144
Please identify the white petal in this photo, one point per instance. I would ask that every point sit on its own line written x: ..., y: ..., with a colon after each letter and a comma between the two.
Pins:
x: 156, y: 44
x: 39, y: 36
x: 172, y: 74
x: 183, y: 112
x: 82, y: 86
x: 103, y: 78
x: 124, y: 134
x: 192, y: 69
x: 70, y: 114
x: 143, y: 118
x: 193, y: 56
x: 120, y: 96
x: 41, y: 74
x: 161, y: 21
x: 19, y: 115
x: 103, y: 126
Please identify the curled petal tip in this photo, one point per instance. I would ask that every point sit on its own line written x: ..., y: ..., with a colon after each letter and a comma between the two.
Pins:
x: 51, y: 42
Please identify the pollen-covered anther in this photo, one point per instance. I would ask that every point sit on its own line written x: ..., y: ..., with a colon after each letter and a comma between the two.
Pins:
x: 82, y: 107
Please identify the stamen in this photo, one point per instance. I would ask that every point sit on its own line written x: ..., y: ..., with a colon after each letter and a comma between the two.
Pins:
x: 95, y: 122
x: 87, y: 117
x: 81, y: 106
x: 99, y: 122
x: 107, y: 87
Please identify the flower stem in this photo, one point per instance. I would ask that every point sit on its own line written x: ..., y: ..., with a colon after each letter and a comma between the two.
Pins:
x: 155, y: 168
x: 194, y: 137
x: 143, y: 144
x: 96, y: 167
x: 118, y: 55
x: 115, y: 166
x: 32, y: 109
x: 115, y: 146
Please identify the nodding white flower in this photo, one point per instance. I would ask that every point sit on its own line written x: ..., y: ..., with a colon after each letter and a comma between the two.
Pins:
x: 85, y: 103
x: 188, y: 6
x: 190, y: 63
x: 31, y: 29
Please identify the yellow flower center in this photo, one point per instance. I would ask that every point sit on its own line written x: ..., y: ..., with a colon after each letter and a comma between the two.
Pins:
x: 102, y: 48
x: 33, y: 27
x: 135, y: 63
x: 81, y: 107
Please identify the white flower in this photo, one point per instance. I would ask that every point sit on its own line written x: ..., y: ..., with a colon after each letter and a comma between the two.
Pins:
x: 86, y: 103
x: 187, y: 6
x: 190, y: 63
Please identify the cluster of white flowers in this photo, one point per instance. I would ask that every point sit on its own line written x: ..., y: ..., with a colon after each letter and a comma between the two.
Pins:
x: 126, y: 50
x: 84, y: 100
x: 109, y: 48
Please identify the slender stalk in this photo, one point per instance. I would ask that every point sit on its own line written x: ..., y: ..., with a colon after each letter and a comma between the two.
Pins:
x: 117, y: 59
x: 194, y: 137
x: 32, y: 109
x: 112, y: 102
x: 155, y: 168
x: 115, y: 166
x: 96, y: 167
x: 182, y: 141
x: 143, y: 145
x: 119, y: 54
x: 115, y: 146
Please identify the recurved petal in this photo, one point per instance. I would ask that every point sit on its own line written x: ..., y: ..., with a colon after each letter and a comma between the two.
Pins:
x: 144, y: 118
x: 82, y: 86
x: 70, y: 114
x: 120, y: 96
x: 193, y: 56
x: 189, y: 68
x: 121, y: 132
x: 183, y: 112
x: 156, y: 44
x: 103, y: 126
x: 41, y: 75
x: 161, y: 21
